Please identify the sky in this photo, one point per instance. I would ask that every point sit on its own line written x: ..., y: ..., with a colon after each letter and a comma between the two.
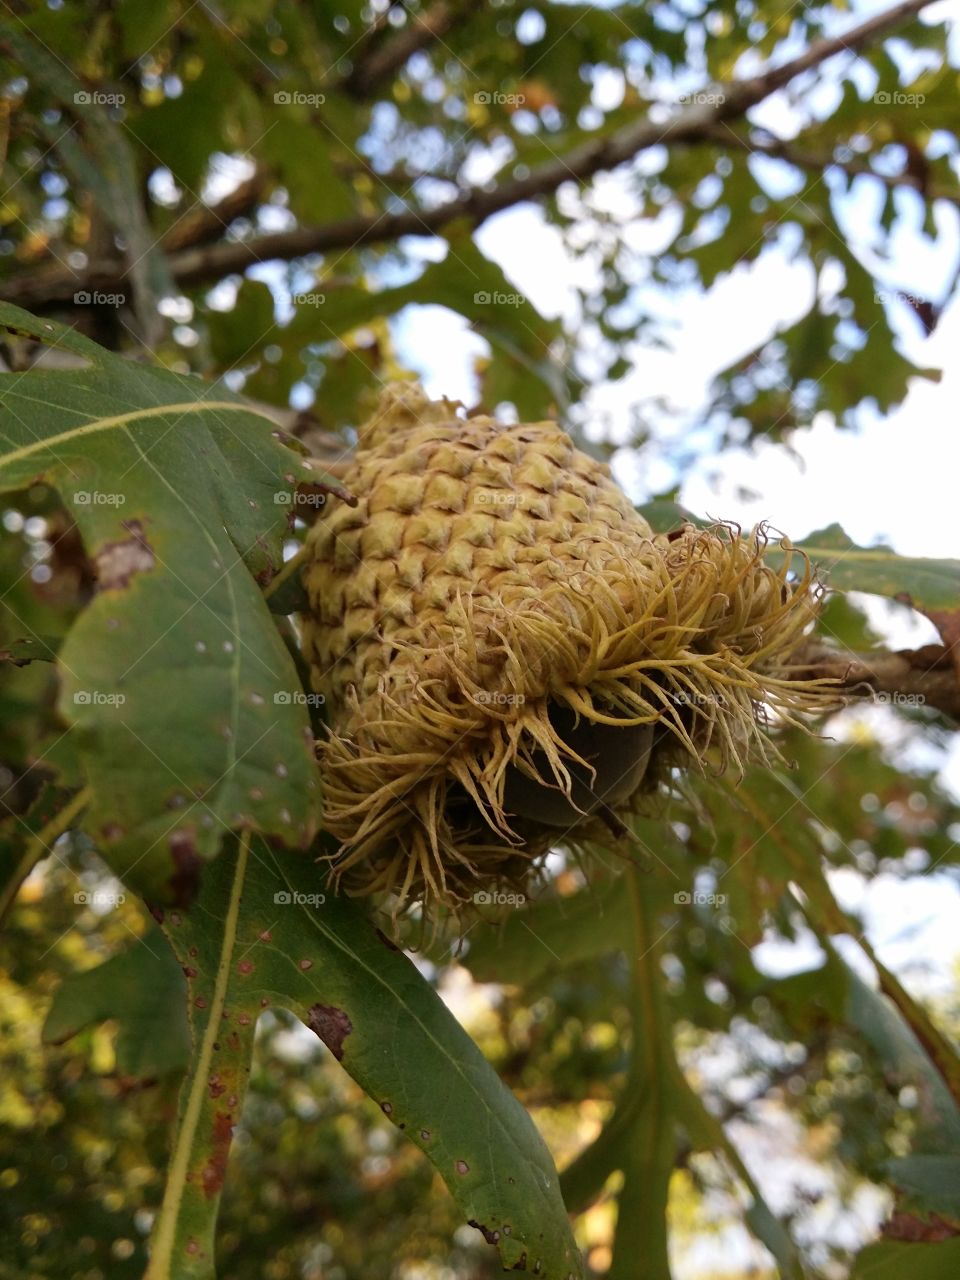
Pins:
x: 879, y: 488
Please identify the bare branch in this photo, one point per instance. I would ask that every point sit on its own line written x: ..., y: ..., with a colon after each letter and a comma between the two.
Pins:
x: 689, y: 125
x: 372, y: 69
x: 207, y: 223
x: 906, y: 677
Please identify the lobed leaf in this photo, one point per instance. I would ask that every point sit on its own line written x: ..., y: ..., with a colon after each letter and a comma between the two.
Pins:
x: 927, y: 584
x: 264, y: 933
x: 183, y: 697
x: 143, y: 989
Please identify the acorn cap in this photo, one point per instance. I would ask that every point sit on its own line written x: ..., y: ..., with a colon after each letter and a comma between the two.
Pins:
x: 511, y: 658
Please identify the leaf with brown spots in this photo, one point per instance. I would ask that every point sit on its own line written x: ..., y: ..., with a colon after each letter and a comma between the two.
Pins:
x: 253, y: 942
x: 117, y: 562
x: 331, y: 1025
x: 180, y: 692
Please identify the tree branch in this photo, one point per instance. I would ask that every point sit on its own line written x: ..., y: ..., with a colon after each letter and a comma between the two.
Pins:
x: 690, y: 124
x: 207, y: 223
x: 905, y: 677
x: 373, y: 68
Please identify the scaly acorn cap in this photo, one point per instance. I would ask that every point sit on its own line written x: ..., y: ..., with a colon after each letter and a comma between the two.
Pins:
x: 510, y: 657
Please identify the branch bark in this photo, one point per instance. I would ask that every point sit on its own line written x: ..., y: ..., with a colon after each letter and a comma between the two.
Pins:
x: 691, y: 124
x: 207, y: 223
x: 384, y: 60
x: 905, y: 677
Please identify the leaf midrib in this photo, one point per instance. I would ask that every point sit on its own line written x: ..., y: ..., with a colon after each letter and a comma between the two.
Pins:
x: 454, y: 1062
x: 873, y: 553
x: 121, y: 420
x: 160, y: 1264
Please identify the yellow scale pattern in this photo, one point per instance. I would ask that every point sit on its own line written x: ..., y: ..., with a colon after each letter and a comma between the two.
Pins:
x: 488, y: 575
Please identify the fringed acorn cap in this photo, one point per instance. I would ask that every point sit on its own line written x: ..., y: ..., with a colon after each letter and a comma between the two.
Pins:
x: 511, y: 658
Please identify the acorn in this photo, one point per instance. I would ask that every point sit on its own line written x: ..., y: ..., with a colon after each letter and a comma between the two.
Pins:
x: 511, y: 659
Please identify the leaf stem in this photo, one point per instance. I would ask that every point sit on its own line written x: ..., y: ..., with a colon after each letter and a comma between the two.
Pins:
x: 640, y: 1243
x: 165, y: 1232
x: 290, y: 567
x: 41, y: 843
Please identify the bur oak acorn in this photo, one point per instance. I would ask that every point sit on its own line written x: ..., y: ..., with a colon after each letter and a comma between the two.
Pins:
x: 511, y: 658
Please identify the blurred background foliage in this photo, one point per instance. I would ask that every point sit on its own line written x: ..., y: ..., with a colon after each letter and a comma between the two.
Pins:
x: 264, y: 186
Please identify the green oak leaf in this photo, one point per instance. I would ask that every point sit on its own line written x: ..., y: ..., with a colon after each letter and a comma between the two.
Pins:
x: 897, y: 1260
x: 927, y: 584
x: 182, y: 695
x: 143, y: 989
x: 265, y: 932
